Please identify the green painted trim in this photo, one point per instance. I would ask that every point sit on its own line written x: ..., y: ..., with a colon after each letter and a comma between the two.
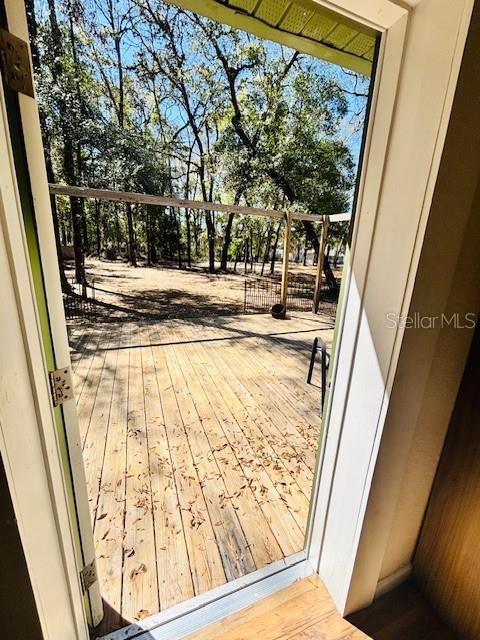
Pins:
x: 23, y: 181
x: 240, y: 20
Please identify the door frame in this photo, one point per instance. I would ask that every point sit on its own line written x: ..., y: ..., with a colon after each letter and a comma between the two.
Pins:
x: 380, y: 274
x: 29, y: 443
x: 54, y: 299
x: 405, y: 142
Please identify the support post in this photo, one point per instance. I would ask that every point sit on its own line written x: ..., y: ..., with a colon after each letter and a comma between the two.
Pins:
x: 286, y: 253
x: 321, y: 258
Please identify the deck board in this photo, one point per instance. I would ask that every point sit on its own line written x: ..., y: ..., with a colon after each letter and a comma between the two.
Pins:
x: 174, y: 577
x: 204, y: 557
x: 236, y: 556
x: 200, y: 442
x: 109, y: 529
x: 139, y: 580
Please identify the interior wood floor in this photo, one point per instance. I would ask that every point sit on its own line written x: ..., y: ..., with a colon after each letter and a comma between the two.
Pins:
x: 303, y: 611
x: 199, y: 439
x: 402, y: 614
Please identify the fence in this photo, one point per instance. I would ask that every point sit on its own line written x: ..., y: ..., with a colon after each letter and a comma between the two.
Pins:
x: 261, y: 293
x: 77, y: 305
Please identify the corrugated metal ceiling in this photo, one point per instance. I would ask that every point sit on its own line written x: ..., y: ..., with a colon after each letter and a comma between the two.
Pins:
x: 301, y: 24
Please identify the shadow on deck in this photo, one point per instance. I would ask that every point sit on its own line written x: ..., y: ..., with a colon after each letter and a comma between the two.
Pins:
x: 199, y: 440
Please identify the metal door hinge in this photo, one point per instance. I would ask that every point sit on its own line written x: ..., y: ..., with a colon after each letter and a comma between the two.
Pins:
x: 61, y: 385
x: 15, y: 63
x: 88, y: 576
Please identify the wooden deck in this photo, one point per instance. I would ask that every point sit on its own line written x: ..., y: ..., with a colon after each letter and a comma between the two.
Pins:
x: 200, y: 440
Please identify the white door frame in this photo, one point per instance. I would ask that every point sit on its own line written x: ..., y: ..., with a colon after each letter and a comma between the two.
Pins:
x: 398, y: 179
x: 46, y: 238
x: 28, y: 437
x: 416, y: 77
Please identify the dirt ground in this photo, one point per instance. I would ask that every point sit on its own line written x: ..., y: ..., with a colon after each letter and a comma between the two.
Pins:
x: 125, y: 292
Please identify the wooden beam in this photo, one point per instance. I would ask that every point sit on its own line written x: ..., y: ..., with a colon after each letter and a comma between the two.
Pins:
x: 321, y: 258
x: 340, y: 217
x: 286, y: 254
x: 163, y: 201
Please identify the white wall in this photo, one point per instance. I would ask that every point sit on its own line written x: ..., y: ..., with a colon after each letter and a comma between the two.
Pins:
x: 431, y: 362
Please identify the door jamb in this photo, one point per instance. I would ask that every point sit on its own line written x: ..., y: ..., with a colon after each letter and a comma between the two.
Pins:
x: 28, y: 438
x: 17, y: 24
x: 333, y: 558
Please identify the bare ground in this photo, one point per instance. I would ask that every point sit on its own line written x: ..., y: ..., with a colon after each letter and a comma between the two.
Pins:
x: 161, y: 292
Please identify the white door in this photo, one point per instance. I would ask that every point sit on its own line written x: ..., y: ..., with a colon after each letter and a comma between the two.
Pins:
x: 31, y: 181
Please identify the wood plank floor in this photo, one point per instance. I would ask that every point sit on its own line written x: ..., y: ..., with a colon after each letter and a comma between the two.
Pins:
x: 401, y: 614
x: 303, y: 611
x: 199, y: 440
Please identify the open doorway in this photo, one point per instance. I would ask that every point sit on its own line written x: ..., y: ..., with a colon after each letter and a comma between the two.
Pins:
x: 199, y: 432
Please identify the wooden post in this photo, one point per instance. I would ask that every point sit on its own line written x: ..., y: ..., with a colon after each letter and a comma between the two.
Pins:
x: 286, y: 253
x: 321, y: 257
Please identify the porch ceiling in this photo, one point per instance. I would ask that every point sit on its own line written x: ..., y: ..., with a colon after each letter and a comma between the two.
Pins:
x: 299, y: 24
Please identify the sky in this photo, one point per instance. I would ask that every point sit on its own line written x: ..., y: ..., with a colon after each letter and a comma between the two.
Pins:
x: 350, y: 133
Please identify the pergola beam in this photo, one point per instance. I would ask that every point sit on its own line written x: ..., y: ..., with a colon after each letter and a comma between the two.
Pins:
x: 321, y: 258
x: 286, y: 256
x: 164, y: 201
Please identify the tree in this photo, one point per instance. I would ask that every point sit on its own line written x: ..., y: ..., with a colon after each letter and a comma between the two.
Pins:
x: 170, y: 62
x: 58, y: 60
x: 139, y: 95
x: 37, y: 66
x: 283, y: 133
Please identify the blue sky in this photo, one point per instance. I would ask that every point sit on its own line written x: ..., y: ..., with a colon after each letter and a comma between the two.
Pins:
x: 347, y: 132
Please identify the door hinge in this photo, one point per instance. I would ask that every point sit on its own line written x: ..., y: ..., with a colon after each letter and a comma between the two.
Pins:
x: 15, y: 63
x: 61, y: 385
x: 88, y: 576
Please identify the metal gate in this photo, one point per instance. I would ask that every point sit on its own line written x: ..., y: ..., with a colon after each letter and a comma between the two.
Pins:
x: 77, y: 305
x: 261, y: 293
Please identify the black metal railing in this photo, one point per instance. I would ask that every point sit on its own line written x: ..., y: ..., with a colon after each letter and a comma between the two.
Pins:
x: 79, y: 302
x: 261, y: 293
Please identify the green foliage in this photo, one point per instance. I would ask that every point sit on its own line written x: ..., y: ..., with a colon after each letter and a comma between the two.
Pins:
x: 158, y: 100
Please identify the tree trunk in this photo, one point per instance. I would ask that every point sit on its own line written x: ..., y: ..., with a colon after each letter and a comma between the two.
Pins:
x: 61, y: 221
x: 53, y: 204
x: 331, y: 280
x: 258, y: 251
x: 226, y: 242
x: 86, y: 244
x: 78, y: 149
x: 337, y: 252
x: 148, y: 236
x: 274, y: 250
x: 228, y: 235
x: 252, y: 258
x: 33, y: 30
x: 179, y: 238
x: 189, y: 238
x: 153, y: 238
x: 237, y: 258
x: 68, y: 153
x: 98, y: 228
x: 77, y: 214
x: 76, y: 207
x: 132, y: 252
x: 187, y: 211
x: 267, y: 247
x: 211, y: 241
